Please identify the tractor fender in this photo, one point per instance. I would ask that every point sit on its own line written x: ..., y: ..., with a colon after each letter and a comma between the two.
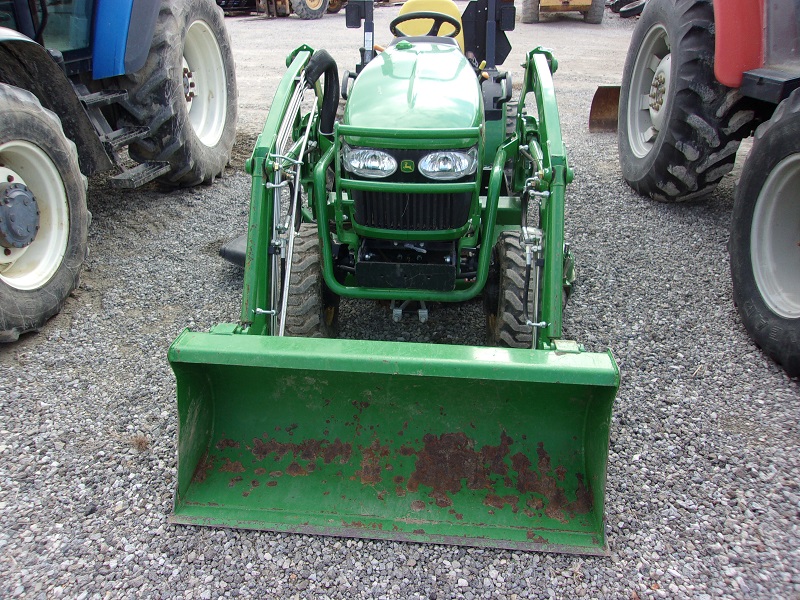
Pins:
x: 27, y: 65
x: 123, y: 35
x: 739, y: 39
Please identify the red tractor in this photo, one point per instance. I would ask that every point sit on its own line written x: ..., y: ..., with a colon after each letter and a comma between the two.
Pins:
x: 700, y: 77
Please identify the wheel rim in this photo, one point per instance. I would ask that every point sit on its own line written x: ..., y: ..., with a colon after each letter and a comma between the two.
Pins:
x: 31, y: 267
x: 204, y: 84
x: 775, y: 239
x: 314, y: 4
x: 649, y: 91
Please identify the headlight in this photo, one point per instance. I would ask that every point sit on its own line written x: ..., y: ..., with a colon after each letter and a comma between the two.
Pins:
x: 369, y: 162
x: 449, y: 164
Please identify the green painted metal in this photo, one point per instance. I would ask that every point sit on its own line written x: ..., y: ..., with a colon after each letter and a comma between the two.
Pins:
x: 429, y: 443
x: 414, y: 86
x: 256, y: 269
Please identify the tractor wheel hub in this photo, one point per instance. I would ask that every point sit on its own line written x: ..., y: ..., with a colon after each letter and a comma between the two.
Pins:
x: 188, y: 84
x: 658, y: 91
x: 19, y: 215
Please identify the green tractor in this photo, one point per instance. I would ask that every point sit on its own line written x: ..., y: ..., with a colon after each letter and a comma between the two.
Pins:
x: 434, y: 185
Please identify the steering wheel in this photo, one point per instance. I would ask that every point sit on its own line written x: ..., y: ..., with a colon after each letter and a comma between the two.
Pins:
x: 438, y: 18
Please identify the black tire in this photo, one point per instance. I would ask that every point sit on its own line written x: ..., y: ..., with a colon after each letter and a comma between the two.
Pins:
x: 505, y: 322
x: 312, y: 310
x: 617, y: 5
x: 42, y: 275
x: 309, y: 9
x: 530, y: 11
x: 765, y: 228
x: 686, y: 141
x: 195, y: 136
x: 595, y: 14
x: 334, y: 6
x: 633, y: 9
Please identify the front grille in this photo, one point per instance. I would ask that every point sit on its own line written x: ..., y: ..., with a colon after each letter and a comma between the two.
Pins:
x: 411, y: 212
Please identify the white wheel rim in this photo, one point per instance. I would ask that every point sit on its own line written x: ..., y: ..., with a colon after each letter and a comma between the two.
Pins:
x: 775, y: 239
x: 649, y: 91
x: 31, y: 267
x: 204, y: 83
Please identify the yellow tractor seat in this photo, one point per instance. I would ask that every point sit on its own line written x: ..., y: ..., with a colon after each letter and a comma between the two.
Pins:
x: 422, y: 26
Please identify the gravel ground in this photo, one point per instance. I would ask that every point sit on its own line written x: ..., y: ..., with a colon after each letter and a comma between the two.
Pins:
x: 702, y: 497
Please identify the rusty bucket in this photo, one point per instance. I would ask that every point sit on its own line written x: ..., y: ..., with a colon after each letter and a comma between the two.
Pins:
x: 429, y: 443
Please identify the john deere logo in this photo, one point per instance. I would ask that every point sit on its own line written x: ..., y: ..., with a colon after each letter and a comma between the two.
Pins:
x: 407, y: 166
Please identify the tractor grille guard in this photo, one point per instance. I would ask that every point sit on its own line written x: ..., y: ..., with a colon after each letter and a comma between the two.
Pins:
x: 348, y: 232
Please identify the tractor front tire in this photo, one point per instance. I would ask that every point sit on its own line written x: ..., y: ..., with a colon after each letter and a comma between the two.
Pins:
x: 309, y: 9
x: 765, y: 229
x: 683, y: 140
x: 39, y: 179
x: 505, y: 321
x: 530, y: 11
x: 312, y: 310
x: 186, y: 93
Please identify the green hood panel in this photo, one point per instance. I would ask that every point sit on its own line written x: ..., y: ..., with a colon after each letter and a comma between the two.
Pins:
x: 417, y: 86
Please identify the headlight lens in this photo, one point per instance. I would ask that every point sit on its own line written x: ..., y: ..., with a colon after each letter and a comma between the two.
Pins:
x: 449, y: 164
x: 369, y: 162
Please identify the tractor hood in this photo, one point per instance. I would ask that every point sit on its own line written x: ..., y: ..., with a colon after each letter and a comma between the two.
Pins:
x: 416, y: 85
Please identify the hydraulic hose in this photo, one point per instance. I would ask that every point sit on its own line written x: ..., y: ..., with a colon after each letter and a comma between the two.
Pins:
x: 322, y: 63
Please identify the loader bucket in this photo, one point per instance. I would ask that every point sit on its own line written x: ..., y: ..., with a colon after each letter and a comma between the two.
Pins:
x: 603, y: 115
x: 459, y: 445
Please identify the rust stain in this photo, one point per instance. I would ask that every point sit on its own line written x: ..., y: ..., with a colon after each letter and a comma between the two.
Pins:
x: 272, y: 483
x: 545, y: 484
x: 260, y: 471
x: 447, y: 460
x: 275, y: 473
x: 419, y: 531
x: 226, y: 443
x: 205, y: 465
x: 309, y: 450
x: 231, y: 467
x: 255, y: 483
x: 234, y: 481
x: 403, y: 428
x: 295, y: 470
x: 535, y: 537
x: 400, y: 491
x: 458, y: 516
x: 370, y: 472
x: 499, y: 502
x: 398, y: 479
x: 382, y: 495
x: 417, y: 505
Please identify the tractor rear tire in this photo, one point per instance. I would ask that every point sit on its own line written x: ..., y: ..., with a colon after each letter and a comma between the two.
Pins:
x: 37, y: 278
x: 595, y: 13
x: 186, y: 93
x: 684, y: 141
x: 312, y: 310
x: 530, y: 11
x: 505, y: 321
x: 309, y: 9
x: 765, y: 229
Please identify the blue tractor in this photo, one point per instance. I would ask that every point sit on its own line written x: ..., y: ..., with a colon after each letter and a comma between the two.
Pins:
x: 145, y: 88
